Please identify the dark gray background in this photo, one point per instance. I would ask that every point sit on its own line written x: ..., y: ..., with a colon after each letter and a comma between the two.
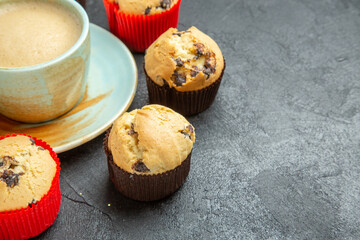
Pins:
x: 277, y: 154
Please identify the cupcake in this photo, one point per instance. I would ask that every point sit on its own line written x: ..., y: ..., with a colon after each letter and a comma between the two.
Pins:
x: 139, y: 22
x: 184, y: 70
x: 29, y: 187
x: 148, y: 152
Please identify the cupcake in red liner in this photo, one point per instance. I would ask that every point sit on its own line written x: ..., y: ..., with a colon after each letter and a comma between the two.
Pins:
x: 184, y: 70
x: 148, y: 152
x: 140, y: 23
x: 29, y: 186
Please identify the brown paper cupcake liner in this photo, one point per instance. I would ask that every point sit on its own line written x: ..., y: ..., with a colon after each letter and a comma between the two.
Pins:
x: 186, y: 103
x: 146, y: 187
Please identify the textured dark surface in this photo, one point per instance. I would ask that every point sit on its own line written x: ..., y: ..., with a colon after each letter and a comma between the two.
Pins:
x: 277, y: 154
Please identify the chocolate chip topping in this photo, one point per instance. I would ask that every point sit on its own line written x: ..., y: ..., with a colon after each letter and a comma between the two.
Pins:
x: 132, y: 131
x: 3, y: 163
x: 178, y: 78
x: 180, y: 33
x: 193, y: 73
x: 165, y: 4
x: 33, y: 202
x: 6, y: 161
x: 147, y: 10
x: 210, y: 64
x: 190, y: 128
x: 10, y: 159
x: 139, y: 166
x: 186, y: 134
x: 10, y: 178
x: 179, y: 62
x: 187, y: 131
x: 200, y: 49
x: 32, y: 141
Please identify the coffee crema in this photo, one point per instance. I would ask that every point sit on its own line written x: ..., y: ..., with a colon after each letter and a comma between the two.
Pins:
x: 34, y: 32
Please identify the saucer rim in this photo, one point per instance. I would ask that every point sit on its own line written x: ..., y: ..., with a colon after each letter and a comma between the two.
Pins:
x: 86, y: 138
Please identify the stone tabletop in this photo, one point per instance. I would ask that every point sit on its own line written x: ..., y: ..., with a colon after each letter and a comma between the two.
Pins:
x: 277, y: 154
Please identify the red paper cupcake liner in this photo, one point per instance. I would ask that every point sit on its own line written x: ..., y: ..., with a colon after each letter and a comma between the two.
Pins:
x: 111, y: 8
x: 146, y: 187
x: 37, y: 217
x: 138, y: 32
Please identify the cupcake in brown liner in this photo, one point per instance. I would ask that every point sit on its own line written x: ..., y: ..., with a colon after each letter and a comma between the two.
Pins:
x: 184, y: 70
x: 148, y: 152
x: 29, y: 187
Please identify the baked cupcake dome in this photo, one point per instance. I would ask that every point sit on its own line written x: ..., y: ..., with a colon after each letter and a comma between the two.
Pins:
x: 145, y: 7
x: 29, y: 187
x: 149, y: 152
x: 184, y: 70
x: 139, y: 22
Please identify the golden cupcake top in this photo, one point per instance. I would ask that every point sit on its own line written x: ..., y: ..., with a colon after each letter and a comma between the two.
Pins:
x: 26, y: 172
x: 151, y: 140
x: 145, y: 7
x: 187, y: 61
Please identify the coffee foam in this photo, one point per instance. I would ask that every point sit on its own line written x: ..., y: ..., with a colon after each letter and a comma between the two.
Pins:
x: 33, y: 32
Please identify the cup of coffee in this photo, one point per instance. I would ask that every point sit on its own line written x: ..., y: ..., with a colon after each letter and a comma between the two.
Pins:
x: 44, y: 58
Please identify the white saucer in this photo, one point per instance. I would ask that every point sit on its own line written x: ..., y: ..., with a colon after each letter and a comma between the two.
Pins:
x: 111, y: 87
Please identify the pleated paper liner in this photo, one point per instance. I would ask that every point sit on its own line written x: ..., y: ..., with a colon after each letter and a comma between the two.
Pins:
x: 111, y: 8
x: 185, y: 103
x: 146, y: 187
x: 138, y: 32
x: 37, y: 217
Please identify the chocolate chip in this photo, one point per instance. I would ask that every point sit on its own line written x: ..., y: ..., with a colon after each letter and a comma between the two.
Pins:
x: 41, y: 148
x: 10, y: 178
x: 178, y: 78
x: 200, y: 49
x: 165, y: 4
x: 186, y: 134
x: 131, y: 132
x: 179, y: 62
x: 187, y: 131
x: 210, y: 64
x: 33, y: 202
x: 4, y: 161
x: 139, y: 166
x: 207, y: 72
x: 180, y: 33
x: 32, y: 141
x: 193, y: 73
x: 9, y: 158
x: 147, y: 10
x: 190, y: 128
